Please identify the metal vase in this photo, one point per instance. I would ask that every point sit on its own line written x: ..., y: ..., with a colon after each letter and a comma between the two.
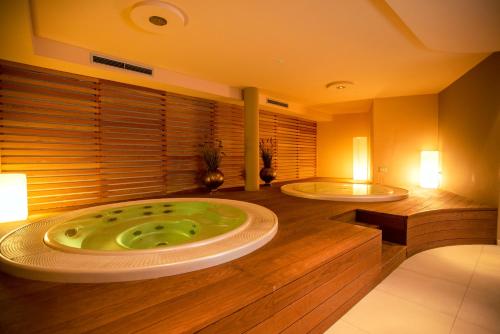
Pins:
x: 267, y: 174
x: 213, y: 179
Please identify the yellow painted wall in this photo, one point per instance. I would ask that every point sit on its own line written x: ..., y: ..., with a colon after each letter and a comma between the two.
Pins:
x: 334, y: 143
x: 469, y: 133
x: 402, y: 127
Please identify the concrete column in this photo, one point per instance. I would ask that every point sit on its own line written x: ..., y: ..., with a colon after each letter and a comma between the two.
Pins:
x: 251, y: 100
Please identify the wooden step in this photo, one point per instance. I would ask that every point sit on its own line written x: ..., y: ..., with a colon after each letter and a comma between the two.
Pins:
x: 393, y: 226
x: 375, y: 226
x: 393, y: 255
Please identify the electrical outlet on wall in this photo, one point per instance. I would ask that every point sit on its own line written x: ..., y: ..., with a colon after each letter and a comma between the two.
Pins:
x: 383, y: 169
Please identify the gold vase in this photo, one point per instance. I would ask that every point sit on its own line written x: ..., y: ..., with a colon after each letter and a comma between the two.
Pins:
x: 213, y: 179
x: 267, y: 174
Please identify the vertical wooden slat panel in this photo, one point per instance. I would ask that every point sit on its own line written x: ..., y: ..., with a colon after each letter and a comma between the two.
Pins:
x: 189, y: 122
x: 49, y: 123
x: 132, y: 141
x: 307, y: 148
x: 295, y: 144
x: 229, y: 128
x: 84, y: 141
x: 288, y: 151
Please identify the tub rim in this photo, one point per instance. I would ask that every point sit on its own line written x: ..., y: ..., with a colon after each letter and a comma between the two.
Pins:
x: 399, y: 193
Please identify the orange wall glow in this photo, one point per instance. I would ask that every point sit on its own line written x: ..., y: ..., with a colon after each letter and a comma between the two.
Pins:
x: 335, y: 144
x: 469, y: 133
x: 402, y: 128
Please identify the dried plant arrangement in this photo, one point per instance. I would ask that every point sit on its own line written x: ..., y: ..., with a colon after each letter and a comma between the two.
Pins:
x: 212, y: 153
x: 266, y: 146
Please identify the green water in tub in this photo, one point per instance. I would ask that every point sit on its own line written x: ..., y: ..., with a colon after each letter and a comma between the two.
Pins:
x: 146, y: 226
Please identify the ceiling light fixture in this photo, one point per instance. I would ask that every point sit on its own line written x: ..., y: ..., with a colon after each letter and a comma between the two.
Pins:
x: 157, y: 20
x: 339, y: 84
x: 158, y: 17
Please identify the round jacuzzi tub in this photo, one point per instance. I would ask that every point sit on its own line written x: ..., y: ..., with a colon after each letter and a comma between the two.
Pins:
x: 149, y: 227
x: 345, y: 192
x: 136, y: 240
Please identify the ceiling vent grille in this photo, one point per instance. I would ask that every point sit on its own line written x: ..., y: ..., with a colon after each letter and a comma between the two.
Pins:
x: 122, y: 65
x: 277, y: 103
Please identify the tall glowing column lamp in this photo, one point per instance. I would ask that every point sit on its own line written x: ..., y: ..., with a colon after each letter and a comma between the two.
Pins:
x: 360, y: 159
x: 430, y: 176
x: 13, y: 197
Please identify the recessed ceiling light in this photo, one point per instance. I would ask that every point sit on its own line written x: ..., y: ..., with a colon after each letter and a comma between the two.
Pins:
x: 157, y: 20
x: 158, y: 16
x: 339, y: 84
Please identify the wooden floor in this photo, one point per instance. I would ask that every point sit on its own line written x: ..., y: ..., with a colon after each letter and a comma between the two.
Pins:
x: 319, y: 264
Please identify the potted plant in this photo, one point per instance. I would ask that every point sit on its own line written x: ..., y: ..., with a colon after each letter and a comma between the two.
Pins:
x: 267, y: 173
x: 211, y: 153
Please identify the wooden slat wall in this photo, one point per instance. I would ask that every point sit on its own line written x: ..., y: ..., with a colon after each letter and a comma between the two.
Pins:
x: 287, y: 130
x: 229, y: 127
x: 306, y: 142
x: 295, y: 139
x: 49, y: 130
x: 189, y: 121
x: 84, y: 141
x: 133, y: 140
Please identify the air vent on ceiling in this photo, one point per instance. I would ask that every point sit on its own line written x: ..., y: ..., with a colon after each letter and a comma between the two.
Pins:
x: 278, y: 103
x: 121, y: 64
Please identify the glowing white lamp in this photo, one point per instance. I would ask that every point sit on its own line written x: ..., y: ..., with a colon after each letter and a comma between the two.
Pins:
x: 13, y: 198
x: 360, y: 158
x: 429, y: 169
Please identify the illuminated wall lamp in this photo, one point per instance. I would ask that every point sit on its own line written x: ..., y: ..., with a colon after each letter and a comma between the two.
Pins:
x: 13, y: 198
x: 429, y: 169
x: 360, y: 159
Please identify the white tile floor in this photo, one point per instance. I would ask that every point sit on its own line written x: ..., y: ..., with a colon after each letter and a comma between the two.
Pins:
x: 451, y: 290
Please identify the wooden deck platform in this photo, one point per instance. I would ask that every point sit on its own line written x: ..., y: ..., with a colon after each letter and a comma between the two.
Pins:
x: 306, y: 278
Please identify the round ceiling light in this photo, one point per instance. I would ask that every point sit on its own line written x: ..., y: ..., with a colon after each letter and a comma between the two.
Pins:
x: 157, y: 20
x: 339, y: 84
x: 157, y: 16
